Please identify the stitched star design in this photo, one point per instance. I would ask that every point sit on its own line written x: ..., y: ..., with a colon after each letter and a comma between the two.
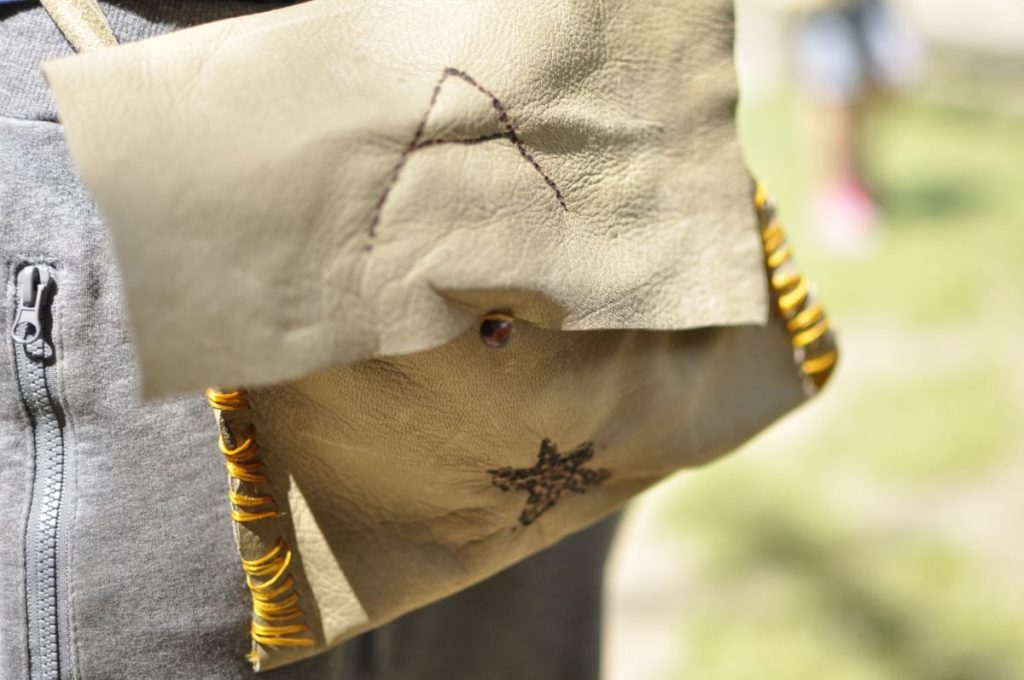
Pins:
x: 552, y: 476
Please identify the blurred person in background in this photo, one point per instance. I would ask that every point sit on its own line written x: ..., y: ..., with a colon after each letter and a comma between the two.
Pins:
x: 849, y: 53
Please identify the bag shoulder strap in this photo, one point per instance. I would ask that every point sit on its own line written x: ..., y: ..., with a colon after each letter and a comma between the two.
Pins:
x: 82, y: 22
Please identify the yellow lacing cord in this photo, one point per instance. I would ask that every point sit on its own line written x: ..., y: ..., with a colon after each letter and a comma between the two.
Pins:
x: 226, y: 401
x: 274, y: 600
x: 806, y: 321
x: 267, y: 594
x: 241, y: 463
x: 280, y: 636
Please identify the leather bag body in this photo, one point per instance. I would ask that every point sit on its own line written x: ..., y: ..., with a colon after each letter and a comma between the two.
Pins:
x: 325, y: 203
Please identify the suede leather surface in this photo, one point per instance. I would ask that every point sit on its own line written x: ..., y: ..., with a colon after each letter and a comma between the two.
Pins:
x: 384, y: 471
x: 331, y: 182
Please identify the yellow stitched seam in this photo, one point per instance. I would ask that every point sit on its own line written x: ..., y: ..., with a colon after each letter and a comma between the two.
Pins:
x: 244, y: 516
x: 267, y: 558
x: 274, y: 567
x: 778, y: 257
x: 821, y: 364
x: 274, y: 599
x: 246, y: 472
x: 281, y: 636
x: 806, y: 321
x: 244, y: 451
x: 273, y: 594
x: 247, y: 501
x: 226, y: 401
x: 807, y: 337
x: 806, y: 318
x: 283, y: 610
x: 760, y: 196
x: 795, y: 296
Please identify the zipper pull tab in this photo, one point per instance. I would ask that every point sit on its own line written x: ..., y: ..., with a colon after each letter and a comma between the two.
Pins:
x: 34, y: 288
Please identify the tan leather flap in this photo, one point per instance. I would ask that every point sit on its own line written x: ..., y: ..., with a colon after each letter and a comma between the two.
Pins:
x: 334, y: 181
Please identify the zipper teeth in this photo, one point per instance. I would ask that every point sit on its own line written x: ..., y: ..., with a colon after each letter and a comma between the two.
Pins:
x: 41, y: 546
x: 49, y: 441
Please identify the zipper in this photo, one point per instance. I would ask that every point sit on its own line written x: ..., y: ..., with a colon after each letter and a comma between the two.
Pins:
x: 35, y: 355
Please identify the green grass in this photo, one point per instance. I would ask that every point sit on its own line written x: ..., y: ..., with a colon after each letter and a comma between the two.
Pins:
x: 797, y: 585
x: 939, y: 427
x: 865, y: 540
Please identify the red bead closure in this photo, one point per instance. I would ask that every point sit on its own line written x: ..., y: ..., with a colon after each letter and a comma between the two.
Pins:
x: 496, y: 329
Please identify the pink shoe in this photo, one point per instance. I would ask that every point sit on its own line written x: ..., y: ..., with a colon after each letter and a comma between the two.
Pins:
x: 847, y: 217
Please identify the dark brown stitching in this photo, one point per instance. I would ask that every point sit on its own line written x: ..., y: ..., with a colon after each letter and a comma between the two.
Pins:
x: 553, y: 475
x: 472, y: 140
x: 417, y: 143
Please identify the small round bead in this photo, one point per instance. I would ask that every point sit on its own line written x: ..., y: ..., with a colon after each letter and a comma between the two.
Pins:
x: 496, y: 329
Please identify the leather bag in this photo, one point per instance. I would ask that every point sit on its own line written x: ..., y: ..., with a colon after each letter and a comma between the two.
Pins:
x: 486, y: 271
